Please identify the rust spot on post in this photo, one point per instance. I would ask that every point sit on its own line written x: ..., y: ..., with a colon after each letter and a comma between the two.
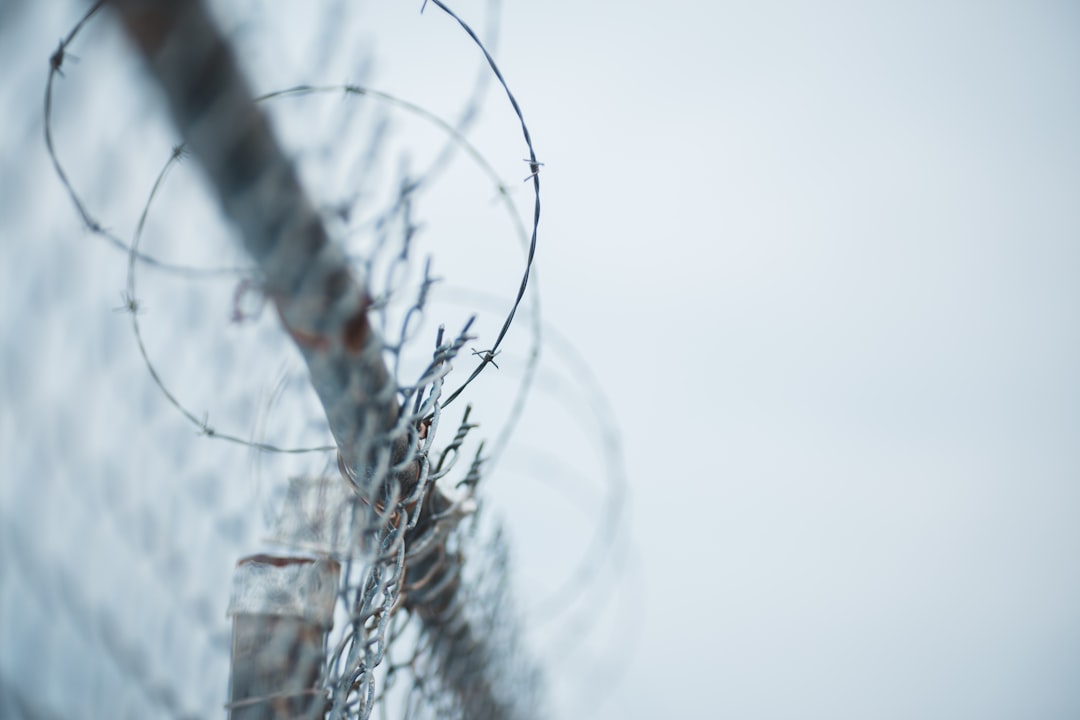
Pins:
x: 273, y: 560
x: 356, y: 330
x: 149, y: 26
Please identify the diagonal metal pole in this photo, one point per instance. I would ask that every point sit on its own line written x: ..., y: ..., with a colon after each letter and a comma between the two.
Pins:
x: 323, y: 306
x: 321, y: 303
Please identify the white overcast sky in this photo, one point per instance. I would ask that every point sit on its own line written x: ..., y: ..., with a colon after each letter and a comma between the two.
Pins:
x: 824, y: 258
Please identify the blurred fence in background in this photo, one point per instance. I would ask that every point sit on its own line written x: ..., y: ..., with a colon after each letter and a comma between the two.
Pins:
x: 158, y: 426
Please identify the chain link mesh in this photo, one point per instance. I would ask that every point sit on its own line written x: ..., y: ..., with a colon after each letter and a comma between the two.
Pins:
x: 159, y: 427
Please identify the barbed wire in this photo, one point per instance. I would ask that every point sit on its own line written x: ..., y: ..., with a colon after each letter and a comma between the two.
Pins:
x: 534, y: 165
x: 455, y: 139
x: 56, y: 65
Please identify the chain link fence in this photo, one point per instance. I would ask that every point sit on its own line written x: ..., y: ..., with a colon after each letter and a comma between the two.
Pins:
x: 172, y: 484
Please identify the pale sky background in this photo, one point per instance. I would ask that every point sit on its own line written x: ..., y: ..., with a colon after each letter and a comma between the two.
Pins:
x: 824, y: 259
